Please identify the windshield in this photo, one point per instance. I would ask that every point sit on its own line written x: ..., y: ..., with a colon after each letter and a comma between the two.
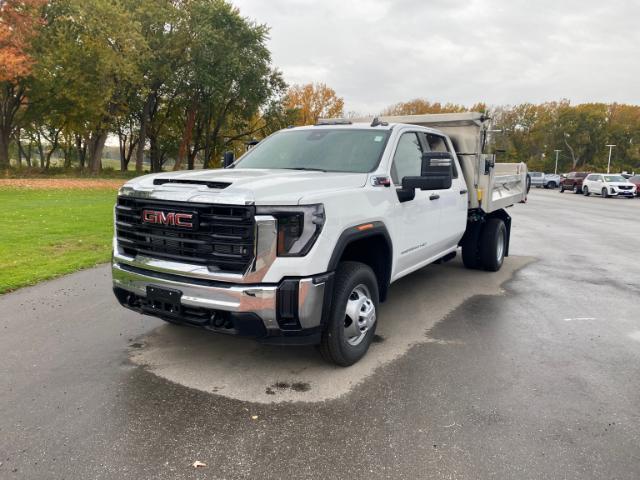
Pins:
x: 614, y: 178
x: 332, y: 150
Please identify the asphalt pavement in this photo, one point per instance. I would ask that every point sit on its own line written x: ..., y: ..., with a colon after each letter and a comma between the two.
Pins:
x: 528, y: 373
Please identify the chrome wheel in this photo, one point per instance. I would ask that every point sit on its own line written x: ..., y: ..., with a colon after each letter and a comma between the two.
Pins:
x: 360, y: 315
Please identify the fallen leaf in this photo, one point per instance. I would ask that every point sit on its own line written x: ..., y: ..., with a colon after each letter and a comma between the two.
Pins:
x: 199, y: 464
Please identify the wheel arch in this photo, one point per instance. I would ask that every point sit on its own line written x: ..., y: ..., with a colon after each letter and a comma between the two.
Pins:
x: 369, y: 243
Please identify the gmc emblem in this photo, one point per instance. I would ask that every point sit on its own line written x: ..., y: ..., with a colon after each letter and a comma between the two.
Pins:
x: 173, y: 219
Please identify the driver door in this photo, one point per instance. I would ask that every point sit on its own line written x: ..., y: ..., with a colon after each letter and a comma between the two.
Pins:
x: 417, y: 221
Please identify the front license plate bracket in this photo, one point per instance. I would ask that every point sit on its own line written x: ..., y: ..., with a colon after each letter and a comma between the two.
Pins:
x: 165, y: 300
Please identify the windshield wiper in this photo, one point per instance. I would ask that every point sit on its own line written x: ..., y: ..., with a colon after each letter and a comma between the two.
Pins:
x: 309, y: 169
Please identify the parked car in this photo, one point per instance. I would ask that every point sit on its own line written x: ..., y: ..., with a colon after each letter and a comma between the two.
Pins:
x: 572, y: 181
x: 298, y: 240
x: 608, y: 185
x: 636, y: 181
x: 544, y: 180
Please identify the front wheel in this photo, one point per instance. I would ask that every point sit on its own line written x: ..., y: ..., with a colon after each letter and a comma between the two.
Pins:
x: 561, y: 188
x: 493, y: 244
x: 552, y: 185
x: 585, y: 191
x: 353, y: 317
x: 605, y: 193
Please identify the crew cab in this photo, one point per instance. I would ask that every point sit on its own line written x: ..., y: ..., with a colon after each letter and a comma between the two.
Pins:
x: 572, y: 181
x: 608, y: 185
x: 298, y: 240
x: 544, y: 180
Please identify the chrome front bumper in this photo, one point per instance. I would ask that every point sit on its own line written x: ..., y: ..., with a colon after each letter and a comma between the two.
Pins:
x: 302, y: 301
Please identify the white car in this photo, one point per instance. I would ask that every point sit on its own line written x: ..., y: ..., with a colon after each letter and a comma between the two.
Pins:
x: 608, y: 185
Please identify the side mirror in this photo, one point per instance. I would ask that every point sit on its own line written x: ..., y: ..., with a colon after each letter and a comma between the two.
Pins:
x: 227, y: 159
x: 436, y: 173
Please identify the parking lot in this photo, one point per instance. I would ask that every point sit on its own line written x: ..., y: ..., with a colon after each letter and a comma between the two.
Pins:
x: 532, y: 374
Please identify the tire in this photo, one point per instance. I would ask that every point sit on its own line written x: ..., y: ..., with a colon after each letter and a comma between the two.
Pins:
x: 354, y: 282
x: 576, y: 189
x: 470, y: 252
x: 561, y: 188
x: 605, y: 193
x: 552, y: 185
x: 585, y: 191
x: 493, y: 243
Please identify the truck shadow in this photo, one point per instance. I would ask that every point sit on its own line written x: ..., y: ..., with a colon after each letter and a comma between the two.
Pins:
x: 246, y: 370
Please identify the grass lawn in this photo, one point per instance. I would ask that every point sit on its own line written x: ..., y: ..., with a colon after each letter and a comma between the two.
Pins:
x: 48, y: 232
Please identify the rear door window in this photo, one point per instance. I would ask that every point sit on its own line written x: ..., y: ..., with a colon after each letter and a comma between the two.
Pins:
x: 437, y: 143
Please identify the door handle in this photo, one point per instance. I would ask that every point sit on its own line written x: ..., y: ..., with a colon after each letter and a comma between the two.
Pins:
x: 434, y: 196
x: 462, y: 192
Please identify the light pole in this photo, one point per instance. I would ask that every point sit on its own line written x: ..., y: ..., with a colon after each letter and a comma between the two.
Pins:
x: 556, y: 170
x: 609, y: 162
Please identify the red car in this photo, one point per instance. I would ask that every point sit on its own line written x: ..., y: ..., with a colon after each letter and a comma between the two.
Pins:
x: 572, y: 181
x: 636, y: 181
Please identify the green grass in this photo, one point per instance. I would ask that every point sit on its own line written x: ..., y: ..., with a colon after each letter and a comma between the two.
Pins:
x: 46, y: 233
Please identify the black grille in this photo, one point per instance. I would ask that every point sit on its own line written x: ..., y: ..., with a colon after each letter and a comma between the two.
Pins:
x: 223, y: 239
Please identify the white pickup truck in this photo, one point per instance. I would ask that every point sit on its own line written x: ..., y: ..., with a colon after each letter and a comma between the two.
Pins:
x: 298, y: 240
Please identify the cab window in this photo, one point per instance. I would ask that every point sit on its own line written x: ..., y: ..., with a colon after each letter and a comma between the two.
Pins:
x: 407, y: 161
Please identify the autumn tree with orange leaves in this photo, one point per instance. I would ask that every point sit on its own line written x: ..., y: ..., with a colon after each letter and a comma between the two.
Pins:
x: 313, y: 101
x: 19, y: 22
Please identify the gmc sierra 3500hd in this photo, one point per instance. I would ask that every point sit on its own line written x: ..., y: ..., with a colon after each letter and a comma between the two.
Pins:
x: 298, y: 240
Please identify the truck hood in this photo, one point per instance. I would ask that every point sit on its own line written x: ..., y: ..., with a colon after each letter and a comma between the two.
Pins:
x: 241, y: 186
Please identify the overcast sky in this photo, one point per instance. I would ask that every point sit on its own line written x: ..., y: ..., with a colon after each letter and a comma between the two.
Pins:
x: 378, y: 52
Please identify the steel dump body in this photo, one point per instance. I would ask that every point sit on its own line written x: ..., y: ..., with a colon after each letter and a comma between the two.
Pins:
x: 491, y: 185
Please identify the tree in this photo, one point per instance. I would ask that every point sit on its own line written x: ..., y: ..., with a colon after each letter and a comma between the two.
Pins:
x: 313, y: 101
x: 19, y: 24
x: 88, y: 59
x: 231, y: 81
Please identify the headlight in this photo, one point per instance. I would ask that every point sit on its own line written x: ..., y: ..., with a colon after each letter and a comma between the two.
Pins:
x: 298, y: 227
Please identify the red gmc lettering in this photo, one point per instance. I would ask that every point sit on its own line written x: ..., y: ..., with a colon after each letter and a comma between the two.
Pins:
x: 167, y: 218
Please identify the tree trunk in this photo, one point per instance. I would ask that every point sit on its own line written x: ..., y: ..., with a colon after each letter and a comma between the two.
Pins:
x: 191, y: 159
x: 27, y: 155
x: 52, y: 148
x: 40, y: 149
x: 4, y: 150
x: 573, y: 156
x: 122, y: 144
x: 19, y: 144
x: 81, y: 146
x: 186, y: 137
x: 96, y: 146
x: 154, y: 154
x: 142, y: 138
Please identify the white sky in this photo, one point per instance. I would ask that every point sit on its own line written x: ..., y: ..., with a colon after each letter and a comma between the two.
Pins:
x: 378, y: 52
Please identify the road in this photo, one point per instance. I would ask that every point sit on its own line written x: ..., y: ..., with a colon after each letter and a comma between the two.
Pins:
x: 531, y: 374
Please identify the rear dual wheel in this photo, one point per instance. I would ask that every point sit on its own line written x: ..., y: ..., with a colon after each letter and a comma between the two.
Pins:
x: 487, y: 249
